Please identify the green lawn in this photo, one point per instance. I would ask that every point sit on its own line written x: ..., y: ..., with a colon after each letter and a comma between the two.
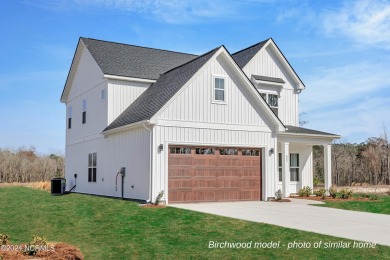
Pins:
x: 382, y: 205
x: 114, y: 229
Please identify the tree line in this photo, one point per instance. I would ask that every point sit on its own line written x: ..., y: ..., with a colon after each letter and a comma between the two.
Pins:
x: 367, y: 162
x: 25, y: 165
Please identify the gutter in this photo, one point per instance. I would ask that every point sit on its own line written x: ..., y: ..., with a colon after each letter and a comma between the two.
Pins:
x: 310, y: 135
x: 149, y: 200
x: 126, y: 127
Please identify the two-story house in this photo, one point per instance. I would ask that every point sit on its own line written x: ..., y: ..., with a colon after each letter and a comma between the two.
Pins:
x: 211, y: 127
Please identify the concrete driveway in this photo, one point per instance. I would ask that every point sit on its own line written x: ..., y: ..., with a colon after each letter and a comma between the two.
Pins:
x: 298, y: 214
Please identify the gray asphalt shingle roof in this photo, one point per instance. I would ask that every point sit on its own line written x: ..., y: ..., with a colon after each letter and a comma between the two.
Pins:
x: 160, y: 92
x: 300, y: 130
x: 270, y: 79
x: 244, y: 56
x: 134, y: 61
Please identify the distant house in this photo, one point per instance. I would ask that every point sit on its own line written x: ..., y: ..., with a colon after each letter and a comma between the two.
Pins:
x: 213, y: 127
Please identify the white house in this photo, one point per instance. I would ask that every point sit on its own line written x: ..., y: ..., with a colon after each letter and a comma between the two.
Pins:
x: 214, y: 127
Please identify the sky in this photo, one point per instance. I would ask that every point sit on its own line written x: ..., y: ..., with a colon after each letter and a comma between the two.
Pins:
x: 340, y: 50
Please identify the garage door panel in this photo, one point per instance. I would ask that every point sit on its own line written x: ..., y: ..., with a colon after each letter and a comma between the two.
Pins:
x: 196, y: 177
x: 203, y: 195
x: 249, y: 194
x: 227, y: 194
x: 204, y: 183
x: 228, y: 183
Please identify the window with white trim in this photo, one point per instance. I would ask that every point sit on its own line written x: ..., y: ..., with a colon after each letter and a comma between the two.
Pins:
x: 69, y: 117
x: 92, y: 163
x: 272, y: 100
x: 103, y: 94
x: 219, y: 89
x: 280, y: 167
x: 294, y: 167
x: 84, y: 114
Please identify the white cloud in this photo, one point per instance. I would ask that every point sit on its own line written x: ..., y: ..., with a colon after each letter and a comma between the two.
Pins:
x: 366, y: 22
x: 335, y: 86
x: 169, y: 11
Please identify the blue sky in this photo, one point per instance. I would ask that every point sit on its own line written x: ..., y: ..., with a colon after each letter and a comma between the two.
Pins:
x: 340, y: 49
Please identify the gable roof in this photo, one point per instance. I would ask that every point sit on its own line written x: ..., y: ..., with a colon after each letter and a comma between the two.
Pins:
x: 159, y: 93
x: 133, y: 61
x: 244, y: 56
x: 300, y: 130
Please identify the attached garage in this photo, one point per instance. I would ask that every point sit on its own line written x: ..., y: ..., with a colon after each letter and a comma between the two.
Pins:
x: 200, y: 174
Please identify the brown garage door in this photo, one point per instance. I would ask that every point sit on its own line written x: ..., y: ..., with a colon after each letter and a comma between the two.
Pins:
x: 198, y: 174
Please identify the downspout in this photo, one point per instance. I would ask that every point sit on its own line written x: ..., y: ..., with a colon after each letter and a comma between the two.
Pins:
x: 150, y: 161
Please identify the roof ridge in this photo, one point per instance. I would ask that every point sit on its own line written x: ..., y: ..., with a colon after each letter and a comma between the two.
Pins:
x: 127, y: 44
x: 200, y: 56
x: 252, y: 46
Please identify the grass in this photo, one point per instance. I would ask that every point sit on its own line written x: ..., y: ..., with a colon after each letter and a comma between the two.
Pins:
x: 114, y: 229
x: 382, y: 205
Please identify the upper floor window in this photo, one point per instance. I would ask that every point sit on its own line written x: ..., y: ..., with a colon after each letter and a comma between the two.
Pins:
x: 84, y: 114
x: 103, y: 94
x: 294, y: 167
x: 219, y: 89
x: 69, y: 117
x: 272, y: 101
x: 92, y: 162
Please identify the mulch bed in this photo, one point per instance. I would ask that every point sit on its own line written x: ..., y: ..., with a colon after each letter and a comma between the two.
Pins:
x: 282, y: 200
x: 151, y: 206
x: 332, y: 199
x: 60, y: 251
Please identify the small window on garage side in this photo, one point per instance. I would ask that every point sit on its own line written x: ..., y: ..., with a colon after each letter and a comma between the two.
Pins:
x: 250, y: 152
x: 103, y: 94
x: 228, y: 151
x: 208, y: 151
x: 294, y: 167
x: 70, y: 117
x: 280, y: 167
x: 92, y: 163
x: 84, y: 114
x: 219, y: 89
x: 180, y: 150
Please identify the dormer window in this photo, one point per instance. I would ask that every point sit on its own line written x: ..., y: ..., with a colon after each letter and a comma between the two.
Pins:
x: 272, y: 101
x: 219, y: 89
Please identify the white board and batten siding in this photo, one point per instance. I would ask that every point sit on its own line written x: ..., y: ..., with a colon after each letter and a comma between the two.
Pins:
x: 129, y: 149
x: 192, y: 118
x: 266, y: 63
x: 121, y: 94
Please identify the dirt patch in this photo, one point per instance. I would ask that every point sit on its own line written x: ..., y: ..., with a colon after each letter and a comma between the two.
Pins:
x: 151, y: 206
x: 59, y: 251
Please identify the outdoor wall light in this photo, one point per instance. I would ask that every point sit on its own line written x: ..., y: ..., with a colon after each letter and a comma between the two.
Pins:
x: 161, y: 147
x: 271, y: 151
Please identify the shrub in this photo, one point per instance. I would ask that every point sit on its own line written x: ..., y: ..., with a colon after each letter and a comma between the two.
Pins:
x: 304, y: 192
x: 4, y: 238
x: 374, y: 197
x: 320, y: 193
x: 333, y: 192
x: 346, y: 194
x: 35, y: 245
x: 278, y: 194
x: 158, y: 198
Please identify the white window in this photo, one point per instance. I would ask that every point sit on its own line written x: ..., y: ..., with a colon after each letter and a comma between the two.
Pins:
x: 219, y: 89
x: 280, y: 167
x: 294, y: 167
x: 84, y: 114
x: 103, y: 94
x: 92, y: 167
x: 272, y: 101
x: 69, y: 117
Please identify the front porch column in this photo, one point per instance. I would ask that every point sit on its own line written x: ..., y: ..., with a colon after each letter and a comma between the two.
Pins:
x: 328, y: 166
x: 286, y: 168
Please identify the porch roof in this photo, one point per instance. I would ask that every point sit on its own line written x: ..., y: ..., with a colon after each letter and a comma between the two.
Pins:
x: 295, y: 130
